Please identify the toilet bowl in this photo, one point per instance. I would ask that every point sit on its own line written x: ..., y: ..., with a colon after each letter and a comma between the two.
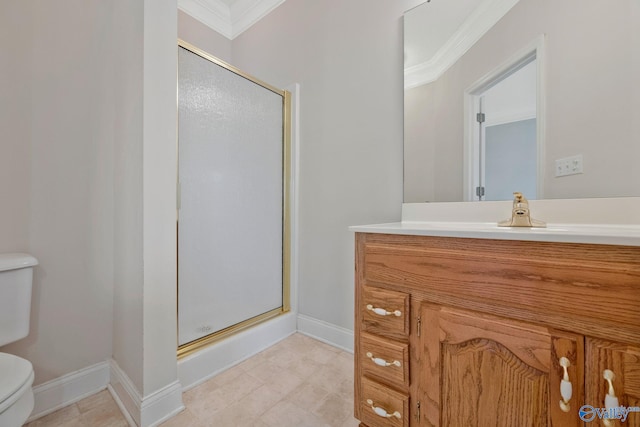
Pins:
x: 16, y: 395
x: 16, y: 374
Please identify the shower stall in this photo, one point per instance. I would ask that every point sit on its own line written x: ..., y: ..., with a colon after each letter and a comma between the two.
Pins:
x: 233, y: 196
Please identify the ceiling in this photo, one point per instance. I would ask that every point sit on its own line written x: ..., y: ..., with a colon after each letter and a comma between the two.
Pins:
x: 429, y: 26
x: 228, y: 17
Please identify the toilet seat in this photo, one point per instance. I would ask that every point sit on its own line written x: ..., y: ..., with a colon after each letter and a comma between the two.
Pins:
x: 16, y: 396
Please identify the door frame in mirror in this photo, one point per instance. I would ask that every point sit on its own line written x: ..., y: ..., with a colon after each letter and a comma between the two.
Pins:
x: 535, y: 49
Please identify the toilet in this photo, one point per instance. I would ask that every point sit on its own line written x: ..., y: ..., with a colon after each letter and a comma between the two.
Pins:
x: 16, y: 374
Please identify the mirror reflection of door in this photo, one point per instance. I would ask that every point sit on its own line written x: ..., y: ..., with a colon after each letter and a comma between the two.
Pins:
x: 505, y: 159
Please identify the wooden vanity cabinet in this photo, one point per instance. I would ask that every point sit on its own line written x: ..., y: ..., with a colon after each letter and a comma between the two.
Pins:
x: 484, y: 324
x: 624, y: 361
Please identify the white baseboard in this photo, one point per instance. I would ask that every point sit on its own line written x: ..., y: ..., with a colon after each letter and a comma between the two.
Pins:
x: 331, y: 334
x: 210, y: 361
x: 161, y: 405
x: 125, y: 393
x: 68, y: 389
x: 123, y: 409
x: 149, y: 411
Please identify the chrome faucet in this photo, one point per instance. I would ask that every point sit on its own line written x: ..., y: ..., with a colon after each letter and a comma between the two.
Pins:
x: 520, y: 216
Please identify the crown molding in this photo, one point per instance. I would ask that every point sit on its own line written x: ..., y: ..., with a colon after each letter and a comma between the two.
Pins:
x: 245, y: 13
x: 473, y: 28
x: 213, y: 13
x: 230, y: 21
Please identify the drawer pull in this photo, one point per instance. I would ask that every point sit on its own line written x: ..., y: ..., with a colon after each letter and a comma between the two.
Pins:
x: 383, y: 312
x: 381, y: 412
x: 381, y: 362
x: 566, y: 389
x: 610, y: 400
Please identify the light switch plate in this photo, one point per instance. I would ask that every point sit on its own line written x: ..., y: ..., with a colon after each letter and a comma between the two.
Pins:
x: 569, y: 165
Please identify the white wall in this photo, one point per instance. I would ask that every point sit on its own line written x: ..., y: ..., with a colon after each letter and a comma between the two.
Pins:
x: 419, y: 145
x: 91, y: 151
x: 15, y: 122
x: 60, y: 148
x: 347, y: 57
x: 198, y: 34
x: 128, y: 206
x: 160, y: 174
x: 144, y: 321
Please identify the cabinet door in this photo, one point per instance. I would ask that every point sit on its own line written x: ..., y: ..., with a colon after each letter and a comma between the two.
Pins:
x: 482, y: 370
x: 623, y: 361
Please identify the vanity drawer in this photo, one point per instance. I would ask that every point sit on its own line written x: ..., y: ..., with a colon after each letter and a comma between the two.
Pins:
x: 381, y: 406
x: 385, y: 359
x: 383, y: 310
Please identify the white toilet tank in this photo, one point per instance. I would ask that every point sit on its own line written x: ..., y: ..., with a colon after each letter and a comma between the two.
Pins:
x: 16, y: 273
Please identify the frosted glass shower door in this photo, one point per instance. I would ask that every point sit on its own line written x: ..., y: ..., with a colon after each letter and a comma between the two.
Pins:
x: 230, y: 226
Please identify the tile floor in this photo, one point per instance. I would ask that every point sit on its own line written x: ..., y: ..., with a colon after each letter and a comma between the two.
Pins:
x: 299, y: 382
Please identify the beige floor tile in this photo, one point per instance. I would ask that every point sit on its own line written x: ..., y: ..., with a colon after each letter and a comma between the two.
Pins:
x: 299, y: 382
x: 248, y: 409
x: 350, y: 422
x: 287, y: 414
x: 308, y: 396
x: 233, y: 415
x: 104, y: 416
x: 334, y: 409
x: 329, y: 378
x: 94, y: 401
x: 74, y: 422
x: 204, y: 389
x: 340, y: 369
x: 320, y: 352
x: 67, y: 417
x: 274, y: 350
x: 346, y: 388
x: 304, y: 367
x: 298, y: 344
x: 284, y: 357
x: 101, y: 410
x: 227, y: 376
x: 184, y: 419
x: 344, y: 362
x: 279, y: 379
x: 205, y: 405
x: 260, y: 400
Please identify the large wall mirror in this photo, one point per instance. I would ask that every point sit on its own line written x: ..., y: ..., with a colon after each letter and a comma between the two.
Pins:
x: 539, y: 96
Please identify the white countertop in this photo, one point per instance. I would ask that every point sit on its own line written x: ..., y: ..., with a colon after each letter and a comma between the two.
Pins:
x: 628, y: 235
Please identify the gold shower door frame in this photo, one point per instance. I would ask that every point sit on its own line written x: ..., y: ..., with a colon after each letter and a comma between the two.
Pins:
x: 207, y: 340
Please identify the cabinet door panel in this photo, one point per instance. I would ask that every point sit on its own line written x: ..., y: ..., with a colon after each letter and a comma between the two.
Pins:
x: 488, y: 371
x: 624, y: 361
x: 483, y: 383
